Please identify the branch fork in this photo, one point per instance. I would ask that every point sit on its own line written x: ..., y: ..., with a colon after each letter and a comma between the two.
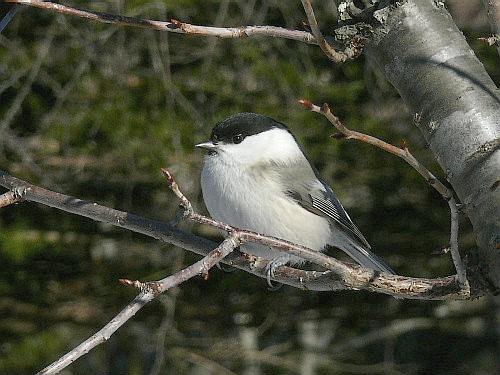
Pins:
x: 145, y: 287
x: 404, y: 153
x: 352, y: 51
x: 491, y: 40
x: 148, y: 292
x: 340, y: 275
x: 240, y: 235
x: 315, y: 37
x: 184, y: 202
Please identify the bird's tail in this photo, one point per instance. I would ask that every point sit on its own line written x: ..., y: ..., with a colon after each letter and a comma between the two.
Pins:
x: 365, y: 257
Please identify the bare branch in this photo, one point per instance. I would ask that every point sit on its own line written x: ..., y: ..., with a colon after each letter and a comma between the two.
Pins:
x: 174, y: 26
x: 455, y: 253
x: 348, y: 276
x: 335, y: 56
x: 312, y: 256
x: 10, y: 197
x: 185, y: 203
x: 493, y: 10
x: 149, y: 291
x: 405, y: 154
x: 491, y: 40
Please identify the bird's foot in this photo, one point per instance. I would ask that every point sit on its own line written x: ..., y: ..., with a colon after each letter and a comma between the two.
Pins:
x: 20, y: 191
x: 270, y: 268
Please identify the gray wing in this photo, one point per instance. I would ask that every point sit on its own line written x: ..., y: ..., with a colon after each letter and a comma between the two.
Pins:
x: 302, y: 184
x: 327, y: 203
x: 322, y: 201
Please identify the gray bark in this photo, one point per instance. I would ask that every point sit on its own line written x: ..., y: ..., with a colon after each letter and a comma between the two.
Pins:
x: 427, y: 59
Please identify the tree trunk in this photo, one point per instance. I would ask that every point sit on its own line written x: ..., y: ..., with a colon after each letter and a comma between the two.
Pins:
x: 427, y: 59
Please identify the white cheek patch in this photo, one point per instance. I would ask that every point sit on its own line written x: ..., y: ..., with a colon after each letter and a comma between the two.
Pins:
x: 275, y: 145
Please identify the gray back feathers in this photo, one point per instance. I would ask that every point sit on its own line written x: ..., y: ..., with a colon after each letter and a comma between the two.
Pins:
x: 301, y: 183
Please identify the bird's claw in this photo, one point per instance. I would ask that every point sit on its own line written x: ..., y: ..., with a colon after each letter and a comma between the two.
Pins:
x: 270, y: 268
x: 20, y: 191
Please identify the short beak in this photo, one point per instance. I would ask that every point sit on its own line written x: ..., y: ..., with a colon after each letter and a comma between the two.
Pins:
x: 207, y: 145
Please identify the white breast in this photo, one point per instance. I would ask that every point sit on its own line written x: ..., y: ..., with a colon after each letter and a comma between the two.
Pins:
x: 235, y: 195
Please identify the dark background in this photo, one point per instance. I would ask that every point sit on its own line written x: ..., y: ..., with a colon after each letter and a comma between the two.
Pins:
x: 94, y: 111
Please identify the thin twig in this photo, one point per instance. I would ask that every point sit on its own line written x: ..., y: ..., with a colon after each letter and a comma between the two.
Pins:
x: 174, y: 26
x: 185, y: 203
x: 492, y: 8
x: 405, y: 154
x: 351, y: 277
x: 303, y: 252
x: 455, y: 253
x: 335, y: 56
x: 149, y: 291
x: 491, y: 40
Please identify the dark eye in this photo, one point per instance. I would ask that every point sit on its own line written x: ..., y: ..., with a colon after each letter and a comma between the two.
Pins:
x: 238, y: 138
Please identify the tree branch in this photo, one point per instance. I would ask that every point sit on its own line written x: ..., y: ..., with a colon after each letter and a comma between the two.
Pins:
x: 455, y: 253
x: 491, y: 40
x: 11, y: 197
x: 346, y: 276
x: 336, y: 56
x: 458, y: 104
x: 149, y: 291
x: 405, y: 154
x: 174, y: 26
x: 303, y: 252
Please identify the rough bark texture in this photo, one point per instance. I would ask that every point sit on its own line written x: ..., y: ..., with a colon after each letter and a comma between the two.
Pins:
x: 427, y: 59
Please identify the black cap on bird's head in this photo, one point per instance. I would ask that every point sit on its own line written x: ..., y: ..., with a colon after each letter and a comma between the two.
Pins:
x: 243, y: 124
x: 236, y: 128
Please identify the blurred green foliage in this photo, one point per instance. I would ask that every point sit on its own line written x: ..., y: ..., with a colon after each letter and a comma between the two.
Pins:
x: 95, y: 110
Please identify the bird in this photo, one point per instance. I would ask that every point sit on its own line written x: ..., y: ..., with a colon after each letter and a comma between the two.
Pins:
x: 256, y: 176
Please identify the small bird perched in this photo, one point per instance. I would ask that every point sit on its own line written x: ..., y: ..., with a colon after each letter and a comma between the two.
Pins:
x: 256, y: 177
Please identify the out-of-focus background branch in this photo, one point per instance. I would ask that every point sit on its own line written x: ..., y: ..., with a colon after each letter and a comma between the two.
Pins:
x: 95, y: 110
